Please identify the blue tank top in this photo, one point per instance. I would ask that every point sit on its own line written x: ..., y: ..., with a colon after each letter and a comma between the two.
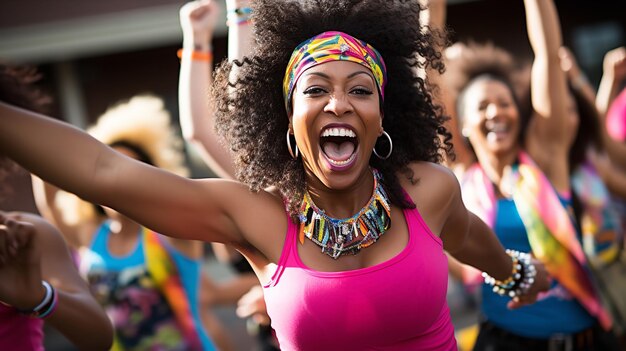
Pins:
x: 141, y: 316
x: 556, y: 313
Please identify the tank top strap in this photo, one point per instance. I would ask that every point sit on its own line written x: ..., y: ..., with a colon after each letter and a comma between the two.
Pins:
x: 290, y: 248
x: 415, y: 220
x: 99, y: 241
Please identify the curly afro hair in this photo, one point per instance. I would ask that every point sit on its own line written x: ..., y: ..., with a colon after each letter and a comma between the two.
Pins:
x: 472, y: 61
x: 250, y: 111
x: 141, y: 124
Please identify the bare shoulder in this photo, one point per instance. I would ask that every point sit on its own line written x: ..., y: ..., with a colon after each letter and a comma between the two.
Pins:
x: 430, y: 181
x: 433, y: 189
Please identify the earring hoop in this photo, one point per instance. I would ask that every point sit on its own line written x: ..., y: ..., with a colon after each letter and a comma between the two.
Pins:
x: 390, y: 148
x: 293, y: 155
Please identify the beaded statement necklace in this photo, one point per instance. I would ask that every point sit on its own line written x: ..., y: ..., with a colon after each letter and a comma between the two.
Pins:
x: 346, y: 236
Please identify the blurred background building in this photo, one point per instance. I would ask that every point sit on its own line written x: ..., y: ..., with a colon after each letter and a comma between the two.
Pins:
x: 94, y: 53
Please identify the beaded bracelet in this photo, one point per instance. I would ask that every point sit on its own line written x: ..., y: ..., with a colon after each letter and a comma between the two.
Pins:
x: 196, y: 55
x: 521, y: 279
x: 47, y: 305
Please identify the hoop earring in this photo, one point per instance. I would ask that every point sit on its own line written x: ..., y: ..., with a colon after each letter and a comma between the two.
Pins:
x: 390, y: 148
x: 293, y: 155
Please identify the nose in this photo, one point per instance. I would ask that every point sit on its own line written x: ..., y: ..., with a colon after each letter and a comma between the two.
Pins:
x: 492, y: 111
x: 338, y: 104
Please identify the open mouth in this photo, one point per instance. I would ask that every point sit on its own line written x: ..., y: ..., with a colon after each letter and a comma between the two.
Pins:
x: 497, y: 132
x: 339, y: 145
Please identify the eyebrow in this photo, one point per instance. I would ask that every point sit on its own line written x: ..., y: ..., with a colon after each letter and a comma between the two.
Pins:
x: 351, y: 75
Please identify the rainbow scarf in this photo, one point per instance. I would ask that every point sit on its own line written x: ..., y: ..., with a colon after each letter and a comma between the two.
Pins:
x: 549, y: 226
x: 163, y: 270
x: 333, y: 46
x: 600, y: 224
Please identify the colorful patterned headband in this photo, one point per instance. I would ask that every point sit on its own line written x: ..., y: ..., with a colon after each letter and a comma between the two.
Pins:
x: 332, y: 46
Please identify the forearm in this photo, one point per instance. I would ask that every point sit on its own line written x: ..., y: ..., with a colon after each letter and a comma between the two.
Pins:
x: 239, y: 35
x: 56, y: 151
x: 196, y: 112
x: 607, y: 91
x: 194, y: 84
x: 482, y: 250
x: 82, y: 321
x: 548, y: 83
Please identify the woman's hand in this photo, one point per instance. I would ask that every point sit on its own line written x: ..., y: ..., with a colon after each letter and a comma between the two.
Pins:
x: 252, y: 305
x: 615, y: 64
x: 541, y: 284
x: 20, y: 264
x: 199, y: 18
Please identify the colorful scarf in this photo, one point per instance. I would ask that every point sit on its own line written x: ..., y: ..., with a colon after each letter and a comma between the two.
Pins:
x: 332, y: 46
x: 549, y: 226
x: 601, y: 227
x: 163, y: 270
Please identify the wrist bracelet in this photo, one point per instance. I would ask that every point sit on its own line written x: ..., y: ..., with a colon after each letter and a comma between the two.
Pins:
x: 47, y: 305
x: 239, y: 16
x: 521, y: 279
x: 49, y: 309
x: 195, y: 55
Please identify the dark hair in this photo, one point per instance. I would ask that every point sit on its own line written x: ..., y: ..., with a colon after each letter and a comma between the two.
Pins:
x: 588, y: 133
x: 250, y: 111
x: 142, y: 155
x: 489, y: 62
x: 17, y: 87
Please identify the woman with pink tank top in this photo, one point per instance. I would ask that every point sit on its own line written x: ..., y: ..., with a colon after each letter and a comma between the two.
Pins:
x: 328, y: 109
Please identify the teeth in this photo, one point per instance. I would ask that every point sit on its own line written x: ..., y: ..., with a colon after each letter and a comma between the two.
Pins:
x: 498, y: 128
x: 341, y: 163
x: 338, y: 132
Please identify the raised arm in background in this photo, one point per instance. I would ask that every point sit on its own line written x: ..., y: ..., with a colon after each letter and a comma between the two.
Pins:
x: 198, y: 20
x: 435, y: 19
x: 611, y: 171
x: 613, y: 77
x: 549, y: 130
x: 614, y: 74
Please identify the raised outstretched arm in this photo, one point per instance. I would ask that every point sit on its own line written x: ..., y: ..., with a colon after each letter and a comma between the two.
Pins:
x: 169, y: 204
x: 613, y: 76
x: 548, y: 130
x: 198, y: 19
x: 433, y: 18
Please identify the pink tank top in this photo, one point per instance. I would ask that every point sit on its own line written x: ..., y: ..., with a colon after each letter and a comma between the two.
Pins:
x: 19, y: 331
x: 399, y: 304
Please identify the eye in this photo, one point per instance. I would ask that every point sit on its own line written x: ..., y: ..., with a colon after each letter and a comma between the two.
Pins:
x: 313, y: 91
x: 361, y: 91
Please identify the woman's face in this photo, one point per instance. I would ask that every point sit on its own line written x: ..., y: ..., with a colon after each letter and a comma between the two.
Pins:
x: 336, y: 120
x: 491, y: 120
